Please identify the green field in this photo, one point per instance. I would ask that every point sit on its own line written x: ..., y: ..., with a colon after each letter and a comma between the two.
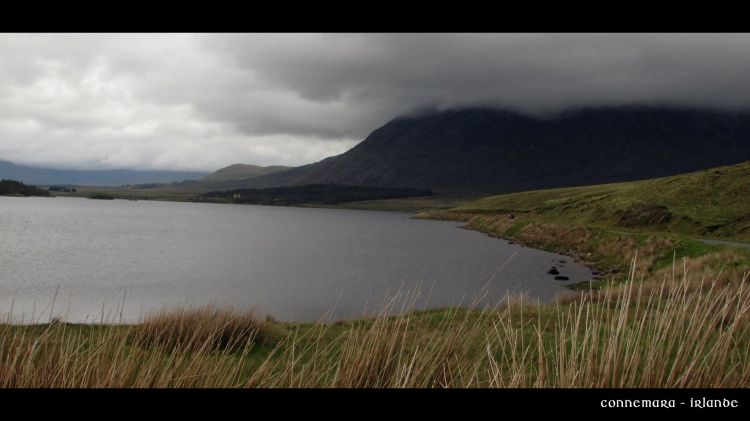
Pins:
x: 712, y: 203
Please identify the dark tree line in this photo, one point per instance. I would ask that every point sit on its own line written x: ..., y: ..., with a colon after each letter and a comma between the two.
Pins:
x: 12, y: 187
x: 312, y: 194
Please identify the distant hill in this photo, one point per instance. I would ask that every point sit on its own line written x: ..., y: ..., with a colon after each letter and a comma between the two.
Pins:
x: 48, y: 176
x: 241, y: 171
x: 500, y: 151
x: 232, y: 177
x: 713, y: 202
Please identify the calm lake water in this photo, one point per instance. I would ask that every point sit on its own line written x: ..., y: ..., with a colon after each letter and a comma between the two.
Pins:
x: 128, y: 258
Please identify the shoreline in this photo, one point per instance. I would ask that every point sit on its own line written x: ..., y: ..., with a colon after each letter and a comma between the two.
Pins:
x: 576, y: 257
x: 599, y: 273
x: 475, y: 264
x: 550, y: 236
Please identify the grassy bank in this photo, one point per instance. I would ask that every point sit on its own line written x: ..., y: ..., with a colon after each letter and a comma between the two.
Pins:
x: 681, y: 331
x: 605, y: 225
x: 711, y: 203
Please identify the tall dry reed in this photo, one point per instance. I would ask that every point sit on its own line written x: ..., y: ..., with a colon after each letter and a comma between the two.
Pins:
x: 677, y: 331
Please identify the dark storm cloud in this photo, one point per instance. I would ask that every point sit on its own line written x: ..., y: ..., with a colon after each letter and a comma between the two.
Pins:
x: 381, y: 76
x: 202, y: 101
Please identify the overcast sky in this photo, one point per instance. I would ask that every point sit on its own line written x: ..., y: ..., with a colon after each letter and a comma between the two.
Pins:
x: 200, y: 102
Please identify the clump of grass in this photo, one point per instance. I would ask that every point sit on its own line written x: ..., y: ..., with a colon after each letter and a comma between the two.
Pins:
x: 204, y: 328
x: 61, y: 355
x: 685, y: 248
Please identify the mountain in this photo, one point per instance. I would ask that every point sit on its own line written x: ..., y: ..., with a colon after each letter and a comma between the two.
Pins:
x: 241, y: 171
x: 501, y: 151
x: 48, y: 176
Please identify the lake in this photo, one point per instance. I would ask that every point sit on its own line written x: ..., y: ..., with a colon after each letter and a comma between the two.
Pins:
x: 84, y: 260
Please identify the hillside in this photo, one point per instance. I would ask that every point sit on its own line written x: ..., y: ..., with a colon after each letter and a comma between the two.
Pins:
x: 496, y: 151
x: 241, y: 171
x: 712, y: 203
x: 49, y: 176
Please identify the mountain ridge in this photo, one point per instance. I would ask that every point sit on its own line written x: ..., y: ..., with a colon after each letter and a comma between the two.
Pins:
x: 501, y: 151
x: 51, y: 176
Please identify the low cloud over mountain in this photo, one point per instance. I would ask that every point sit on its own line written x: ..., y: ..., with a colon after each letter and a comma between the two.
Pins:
x: 201, y: 102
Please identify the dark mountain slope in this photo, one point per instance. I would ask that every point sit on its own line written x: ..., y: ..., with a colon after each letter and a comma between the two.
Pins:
x: 496, y: 151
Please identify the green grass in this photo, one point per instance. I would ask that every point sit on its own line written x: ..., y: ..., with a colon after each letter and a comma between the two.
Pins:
x: 606, y: 225
x: 686, y: 249
x: 713, y: 203
x: 515, y: 229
